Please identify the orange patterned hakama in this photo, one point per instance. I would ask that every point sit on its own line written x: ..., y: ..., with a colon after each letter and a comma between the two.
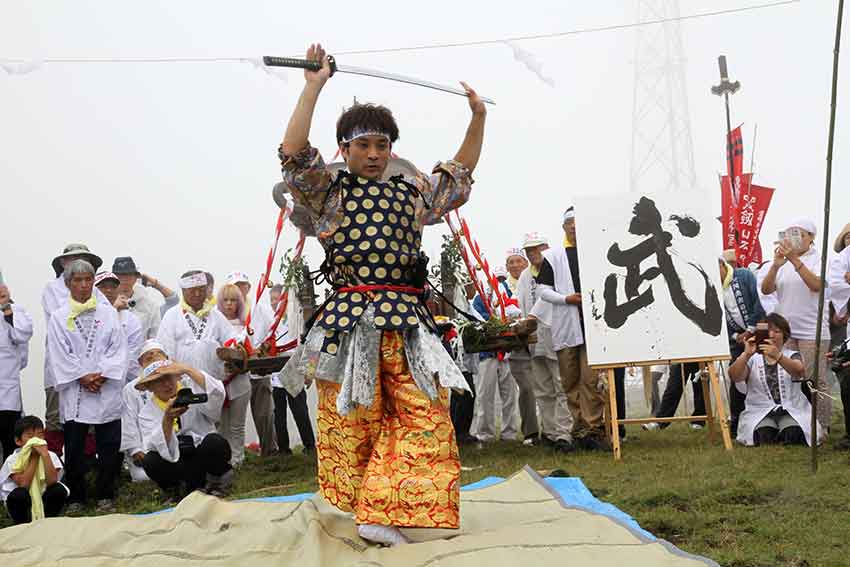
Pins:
x: 395, y: 463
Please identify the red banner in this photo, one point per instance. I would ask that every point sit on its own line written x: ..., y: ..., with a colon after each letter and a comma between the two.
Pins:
x: 742, y: 221
x: 735, y: 152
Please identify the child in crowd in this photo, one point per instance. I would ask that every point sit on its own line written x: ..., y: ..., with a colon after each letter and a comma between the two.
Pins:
x: 29, y: 478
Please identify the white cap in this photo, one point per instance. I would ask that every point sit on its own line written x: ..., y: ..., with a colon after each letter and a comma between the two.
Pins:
x: 500, y: 271
x: 514, y: 252
x: 805, y: 224
x: 533, y: 239
x: 570, y: 213
x: 237, y: 277
x: 149, y: 345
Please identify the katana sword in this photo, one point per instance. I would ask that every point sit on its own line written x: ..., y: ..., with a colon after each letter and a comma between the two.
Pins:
x: 317, y: 66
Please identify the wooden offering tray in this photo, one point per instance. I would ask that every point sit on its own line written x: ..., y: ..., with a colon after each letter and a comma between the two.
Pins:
x: 498, y: 336
x: 256, y: 363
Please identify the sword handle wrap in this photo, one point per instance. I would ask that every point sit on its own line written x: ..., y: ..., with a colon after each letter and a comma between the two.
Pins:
x: 296, y: 63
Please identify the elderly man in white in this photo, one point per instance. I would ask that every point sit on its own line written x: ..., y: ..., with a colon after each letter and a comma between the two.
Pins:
x: 88, y: 355
x: 183, y: 452
x: 15, y: 335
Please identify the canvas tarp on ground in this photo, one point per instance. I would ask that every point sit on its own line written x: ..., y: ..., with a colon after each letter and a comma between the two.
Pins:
x: 521, y: 521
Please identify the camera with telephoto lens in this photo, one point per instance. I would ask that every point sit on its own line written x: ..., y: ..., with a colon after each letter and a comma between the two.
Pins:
x: 131, y: 304
x: 840, y: 356
x: 186, y: 397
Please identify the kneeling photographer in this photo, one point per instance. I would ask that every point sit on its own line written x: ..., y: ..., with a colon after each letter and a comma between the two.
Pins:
x: 776, y: 409
x: 182, y: 449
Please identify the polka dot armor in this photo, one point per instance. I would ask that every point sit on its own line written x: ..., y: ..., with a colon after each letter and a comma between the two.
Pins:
x: 377, y: 244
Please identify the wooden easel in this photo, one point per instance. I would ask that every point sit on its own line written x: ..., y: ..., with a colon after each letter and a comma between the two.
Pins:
x: 720, y: 411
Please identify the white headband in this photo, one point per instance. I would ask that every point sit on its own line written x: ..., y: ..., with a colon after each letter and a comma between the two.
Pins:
x: 195, y: 280
x: 568, y: 214
x: 360, y: 132
x: 154, y: 366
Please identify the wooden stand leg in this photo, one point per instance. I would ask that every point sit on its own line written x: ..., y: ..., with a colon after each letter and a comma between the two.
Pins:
x: 718, y: 401
x: 612, y: 403
x: 706, y: 396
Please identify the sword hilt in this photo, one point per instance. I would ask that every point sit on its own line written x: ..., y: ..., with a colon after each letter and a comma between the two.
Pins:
x: 296, y: 63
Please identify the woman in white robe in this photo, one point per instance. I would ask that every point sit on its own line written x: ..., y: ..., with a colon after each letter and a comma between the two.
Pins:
x: 15, y: 334
x: 776, y: 409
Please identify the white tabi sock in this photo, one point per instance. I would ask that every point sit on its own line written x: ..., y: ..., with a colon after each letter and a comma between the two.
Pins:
x: 385, y: 535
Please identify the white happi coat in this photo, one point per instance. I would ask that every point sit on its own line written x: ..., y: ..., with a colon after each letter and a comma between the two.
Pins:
x: 198, y: 421
x: 552, y: 308
x: 527, y: 294
x: 840, y: 289
x: 134, y: 400
x: 147, y: 309
x: 196, y: 344
x: 96, y: 344
x: 759, y: 402
x: 14, y: 355
x: 54, y: 296
x: 134, y: 334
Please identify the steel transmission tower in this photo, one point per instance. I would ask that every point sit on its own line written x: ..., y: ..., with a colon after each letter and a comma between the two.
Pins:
x: 662, y: 148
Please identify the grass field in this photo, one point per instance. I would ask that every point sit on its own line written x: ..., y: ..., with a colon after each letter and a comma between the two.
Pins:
x: 746, y: 508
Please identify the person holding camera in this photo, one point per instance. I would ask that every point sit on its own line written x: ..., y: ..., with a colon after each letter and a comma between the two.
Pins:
x: 795, y: 277
x: 140, y: 301
x: 179, y: 439
x: 776, y: 410
x: 108, y: 284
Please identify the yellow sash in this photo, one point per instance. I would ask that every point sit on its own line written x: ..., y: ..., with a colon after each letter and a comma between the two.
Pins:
x: 27, y: 452
x: 78, y: 309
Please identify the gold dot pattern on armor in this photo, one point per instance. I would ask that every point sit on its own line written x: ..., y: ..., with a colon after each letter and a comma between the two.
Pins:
x: 371, y: 231
x: 332, y: 348
x: 386, y: 230
x: 380, y: 321
x: 339, y: 238
x: 380, y: 244
x: 402, y: 307
x: 393, y: 218
x: 401, y: 197
x: 380, y: 273
x: 389, y: 258
x: 404, y: 260
x: 345, y: 222
x: 412, y: 320
x: 343, y: 307
x: 384, y: 204
x: 365, y: 245
x: 330, y: 319
x: 329, y: 334
x: 330, y: 306
x: 399, y: 233
x: 386, y: 307
x: 344, y: 321
x: 364, y: 271
x: 404, y: 222
x: 395, y: 320
x: 358, y: 191
x: 409, y: 237
x: 345, y: 181
x: 357, y: 311
x: 356, y: 297
x: 394, y: 246
x: 357, y: 258
x: 388, y: 192
x: 361, y: 218
x: 408, y: 209
x: 392, y: 295
x: 397, y: 206
x: 395, y: 274
x: 368, y: 204
x: 405, y: 249
x: 351, y: 206
x: 373, y: 258
x: 348, y: 248
x: 354, y: 234
x: 374, y: 191
x: 378, y: 217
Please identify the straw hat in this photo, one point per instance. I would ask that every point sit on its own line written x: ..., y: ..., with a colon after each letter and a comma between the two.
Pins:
x: 76, y: 250
x: 839, y: 240
x: 153, y: 372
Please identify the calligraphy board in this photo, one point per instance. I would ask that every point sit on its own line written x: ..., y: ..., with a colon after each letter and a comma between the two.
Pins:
x: 650, y: 278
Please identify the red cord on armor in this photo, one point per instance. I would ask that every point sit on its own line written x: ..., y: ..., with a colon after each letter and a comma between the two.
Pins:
x: 379, y: 287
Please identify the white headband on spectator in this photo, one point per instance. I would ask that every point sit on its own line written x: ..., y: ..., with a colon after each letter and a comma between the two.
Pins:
x: 154, y: 366
x: 515, y: 252
x: 360, y: 132
x: 236, y: 277
x: 149, y: 345
x: 568, y: 214
x: 195, y: 280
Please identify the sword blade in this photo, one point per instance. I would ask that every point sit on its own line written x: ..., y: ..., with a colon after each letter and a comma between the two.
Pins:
x: 404, y: 79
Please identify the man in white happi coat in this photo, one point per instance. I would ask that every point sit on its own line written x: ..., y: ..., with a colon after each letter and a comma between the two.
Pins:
x: 539, y: 360
x: 88, y: 355
x: 54, y: 296
x: 143, y: 302
x: 15, y: 335
x: 108, y: 284
x: 132, y: 444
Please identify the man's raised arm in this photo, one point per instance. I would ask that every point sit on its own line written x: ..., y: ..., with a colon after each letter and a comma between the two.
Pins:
x: 470, y: 150
x: 298, y: 129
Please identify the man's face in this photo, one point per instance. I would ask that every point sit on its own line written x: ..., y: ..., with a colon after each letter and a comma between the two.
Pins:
x: 274, y: 298
x: 244, y: 287
x: 515, y: 266
x: 195, y: 296
x: 164, y: 388
x: 80, y: 286
x: 5, y: 295
x: 570, y: 230
x: 535, y: 255
x: 127, y: 283
x: 367, y: 156
x: 150, y: 357
x: 109, y: 288
x: 29, y: 434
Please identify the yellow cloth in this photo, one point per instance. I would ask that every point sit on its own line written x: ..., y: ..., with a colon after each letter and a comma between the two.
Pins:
x: 163, y: 405
x: 729, y: 273
x: 567, y: 242
x: 535, y: 271
x: 38, y: 478
x: 78, y: 309
x: 209, y: 304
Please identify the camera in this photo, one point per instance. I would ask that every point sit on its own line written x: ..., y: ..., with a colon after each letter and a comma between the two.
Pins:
x: 762, y: 334
x: 840, y: 355
x: 186, y: 397
x: 131, y: 304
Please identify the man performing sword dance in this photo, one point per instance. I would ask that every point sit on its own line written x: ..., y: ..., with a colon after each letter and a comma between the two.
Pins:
x: 386, y: 447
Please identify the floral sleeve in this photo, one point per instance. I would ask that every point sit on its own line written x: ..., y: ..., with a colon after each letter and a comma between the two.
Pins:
x: 307, y: 178
x: 445, y: 190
